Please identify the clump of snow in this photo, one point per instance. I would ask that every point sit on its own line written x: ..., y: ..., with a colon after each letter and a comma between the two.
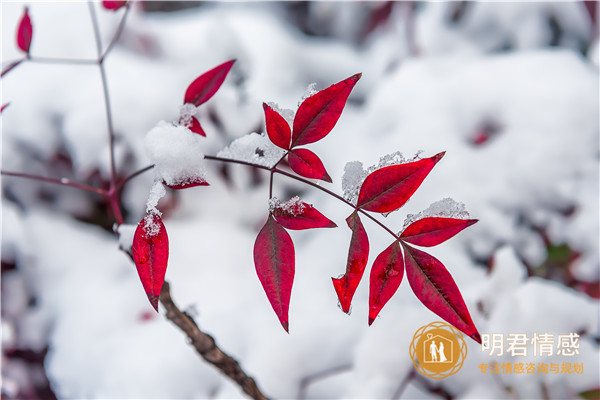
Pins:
x: 253, y: 148
x: 355, y: 174
x: 176, y: 153
x: 286, y: 113
x: 186, y: 112
x: 445, y: 208
x: 126, y: 233
x: 157, y: 192
x: 293, y: 206
x: 310, y: 90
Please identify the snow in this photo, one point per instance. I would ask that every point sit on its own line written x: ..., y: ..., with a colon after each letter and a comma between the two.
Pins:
x: 535, y: 181
x: 255, y: 148
x: 445, y: 208
x: 176, y: 153
x: 293, y: 206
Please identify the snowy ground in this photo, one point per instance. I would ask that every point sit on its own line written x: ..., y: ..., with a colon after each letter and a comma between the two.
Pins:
x: 518, y: 120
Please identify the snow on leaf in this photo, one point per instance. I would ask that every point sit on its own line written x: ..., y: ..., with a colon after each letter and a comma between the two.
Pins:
x: 307, y: 164
x: 386, y: 276
x: 296, y: 214
x: 207, y: 84
x: 113, y: 5
x: 318, y: 114
x: 445, y: 208
x: 354, y: 176
x: 253, y: 148
x: 24, y: 32
x: 434, y: 287
x: 150, y: 254
x: 389, y: 188
x: 274, y: 262
x: 432, y: 231
x: 277, y: 128
x: 358, y: 255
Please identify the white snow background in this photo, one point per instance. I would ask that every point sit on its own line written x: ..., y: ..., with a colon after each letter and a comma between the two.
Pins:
x: 537, y: 174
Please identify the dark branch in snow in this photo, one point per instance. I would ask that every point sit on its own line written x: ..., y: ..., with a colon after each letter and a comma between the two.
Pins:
x: 205, y: 346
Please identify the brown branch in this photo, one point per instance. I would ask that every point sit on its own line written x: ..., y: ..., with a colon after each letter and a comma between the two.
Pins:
x: 328, y: 373
x: 205, y: 346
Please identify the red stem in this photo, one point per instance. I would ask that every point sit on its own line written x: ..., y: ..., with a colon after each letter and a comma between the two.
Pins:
x: 62, y: 181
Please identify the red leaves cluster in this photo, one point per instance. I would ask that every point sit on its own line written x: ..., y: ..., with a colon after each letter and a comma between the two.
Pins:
x: 383, y: 191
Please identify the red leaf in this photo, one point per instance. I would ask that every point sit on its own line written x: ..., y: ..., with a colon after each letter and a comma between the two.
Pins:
x: 307, y: 164
x: 206, y: 85
x: 3, y: 107
x: 386, y: 275
x: 358, y: 255
x: 274, y: 262
x: 278, y: 129
x: 318, y: 114
x: 193, y: 183
x: 389, y: 188
x: 24, y: 32
x: 432, y: 231
x: 113, y: 5
x: 150, y: 254
x: 196, y: 127
x: 434, y: 287
x: 300, y: 216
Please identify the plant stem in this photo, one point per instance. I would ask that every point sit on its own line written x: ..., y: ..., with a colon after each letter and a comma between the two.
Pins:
x: 61, y: 181
x: 117, y: 33
x: 68, y: 61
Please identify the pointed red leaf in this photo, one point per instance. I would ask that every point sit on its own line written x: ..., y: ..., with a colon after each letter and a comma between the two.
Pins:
x: 307, y: 164
x: 358, y: 255
x: 150, y: 254
x: 318, y: 114
x: 206, y: 85
x: 196, y: 127
x: 434, y: 287
x: 274, y: 261
x: 386, y: 275
x: 3, y: 107
x: 113, y: 5
x: 389, y: 188
x: 278, y: 129
x: 300, y: 215
x: 24, y: 32
x: 432, y: 231
x: 193, y: 183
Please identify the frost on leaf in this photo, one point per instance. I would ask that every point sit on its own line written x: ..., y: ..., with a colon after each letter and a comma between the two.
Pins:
x: 386, y: 276
x: 150, y: 254
x: 274, y: 260
x: 253, y: 148
x: 177, y: 155
x: 358, y: 255
x: 206, y: 85
x: 434, y: 287
x: 307, y: 164
x: 296, y: 214
x: 24, y: 32
x: 318, y: 114
x: 389, y: 188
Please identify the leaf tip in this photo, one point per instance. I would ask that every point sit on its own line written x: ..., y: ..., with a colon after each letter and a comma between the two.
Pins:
x: 331, y: 224
x: 476, y: 337
x: 338, y: 285
x: 371, y: 320
x: 327, y: 178
x: 286, y: 326
x: 438, y: 156
x: 153, y: 300
x: 356, y: 77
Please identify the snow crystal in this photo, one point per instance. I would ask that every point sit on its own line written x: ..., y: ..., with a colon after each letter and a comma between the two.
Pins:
x: 176, y: 153
x: 186, y: 112
x: 253, y: 148
x: 445, y: 208
x: 310, y: 90
x: 293, y: 206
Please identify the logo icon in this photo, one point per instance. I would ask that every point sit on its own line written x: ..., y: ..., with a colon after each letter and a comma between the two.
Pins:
x: 438, y: 350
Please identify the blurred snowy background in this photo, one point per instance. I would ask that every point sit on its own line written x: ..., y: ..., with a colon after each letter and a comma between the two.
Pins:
x: 509, y: 90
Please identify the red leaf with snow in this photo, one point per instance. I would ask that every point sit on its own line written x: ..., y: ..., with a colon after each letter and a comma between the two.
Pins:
x: 150, y: 254
x: 301, y: 215
x: 206, y: 85
x: 24, y: 32
x: 432, y: 231
x: 274, y: 261
x: 193, y: 183
x: 307, y: 164
x: 434, y: 287
x: 113, y: 5
x: 278, y: 129
x: 196, y: 127
x: 389, y: 188
x: 3, y: 107
x: 318, y: 114
x: 358, y: 255
x: 386, y: 276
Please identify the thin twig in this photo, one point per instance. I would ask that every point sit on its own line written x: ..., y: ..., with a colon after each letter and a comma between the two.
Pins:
x: 61, y: 181
x: 133, y: 175
x: 68, y: 61
x: 117, y: 33
x: 205, y: 345
x: 310, y: 379
x: 404, y: 384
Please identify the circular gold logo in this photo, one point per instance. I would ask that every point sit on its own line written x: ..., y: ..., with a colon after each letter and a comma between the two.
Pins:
x: 438, y: 350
